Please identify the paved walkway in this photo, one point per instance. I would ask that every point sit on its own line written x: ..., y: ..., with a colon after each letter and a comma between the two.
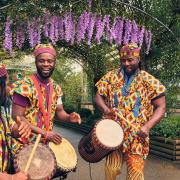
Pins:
x: 155, y: 168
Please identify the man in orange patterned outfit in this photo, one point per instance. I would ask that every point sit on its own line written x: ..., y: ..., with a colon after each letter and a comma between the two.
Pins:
x: 136, y: 101
x: 38, y: 98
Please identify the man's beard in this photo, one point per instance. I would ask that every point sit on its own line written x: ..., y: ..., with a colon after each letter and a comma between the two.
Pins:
x: 44, y: 76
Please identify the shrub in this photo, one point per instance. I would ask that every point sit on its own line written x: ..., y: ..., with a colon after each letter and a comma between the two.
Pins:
x: 169, y: 127
x: 84, y: 112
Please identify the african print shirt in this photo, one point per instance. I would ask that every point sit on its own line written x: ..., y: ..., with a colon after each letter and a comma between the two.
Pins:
x: 27, y: 89
x: 5, y: 142
x: 132, y: 98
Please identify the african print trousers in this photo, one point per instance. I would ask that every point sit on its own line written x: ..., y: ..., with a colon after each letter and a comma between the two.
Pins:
x: 113, y: 166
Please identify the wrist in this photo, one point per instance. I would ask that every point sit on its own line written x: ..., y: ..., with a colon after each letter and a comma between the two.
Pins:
x: 106, y: 111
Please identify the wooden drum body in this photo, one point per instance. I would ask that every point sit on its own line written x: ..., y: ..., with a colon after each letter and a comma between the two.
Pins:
x: 43, y: 165
x: 106, y: 136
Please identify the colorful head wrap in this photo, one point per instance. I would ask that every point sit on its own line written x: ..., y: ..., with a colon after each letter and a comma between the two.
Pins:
x: 3, y: 71
x: 44, y: 48
x: 130, y: 50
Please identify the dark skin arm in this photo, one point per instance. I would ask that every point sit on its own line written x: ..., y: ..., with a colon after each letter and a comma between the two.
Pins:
x: 158, y: 113
x: 18, y: 110
x: 61, y: 115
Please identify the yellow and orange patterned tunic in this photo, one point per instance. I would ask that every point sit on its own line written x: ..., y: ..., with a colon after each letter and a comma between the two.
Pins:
x: 132, y: 99
x: 27, y: 89
x: 6, y: 140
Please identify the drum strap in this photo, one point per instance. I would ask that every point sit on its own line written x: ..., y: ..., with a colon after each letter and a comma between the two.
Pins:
x: 46, y: 114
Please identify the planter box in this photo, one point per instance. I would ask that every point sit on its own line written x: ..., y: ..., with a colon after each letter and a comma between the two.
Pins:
x: 166, y: 148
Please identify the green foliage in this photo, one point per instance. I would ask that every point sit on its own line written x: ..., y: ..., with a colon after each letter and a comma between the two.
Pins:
x: 169, y: 127
x: 84, y: 112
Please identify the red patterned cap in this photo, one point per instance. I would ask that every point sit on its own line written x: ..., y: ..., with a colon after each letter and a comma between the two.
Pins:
x: 3, y: 71
x: 44, y: 48
x: 130, y: 50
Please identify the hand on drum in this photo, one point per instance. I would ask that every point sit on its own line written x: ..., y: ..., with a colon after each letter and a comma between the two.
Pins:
x: 111, y: 114
x: 19, y: 176
x: 53, y: 137
x: 75, y: 118
x: 23, y: 128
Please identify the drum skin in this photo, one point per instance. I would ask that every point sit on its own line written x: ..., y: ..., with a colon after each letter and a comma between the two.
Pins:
x: 65, y: 155
x: 92, y: 149
x: 43, y: 165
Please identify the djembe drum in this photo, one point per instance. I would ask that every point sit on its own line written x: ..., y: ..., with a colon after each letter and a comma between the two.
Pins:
x: 106, y: 136
x: 65, y: 156
x: 43, y: 165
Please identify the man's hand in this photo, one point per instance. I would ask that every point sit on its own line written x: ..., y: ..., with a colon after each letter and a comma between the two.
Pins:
x: 24, y: 129
x: 111, y: 114
x: 75, y: 118
x: 19, y: 176
x: 144, y: 132
x: 53, y: 137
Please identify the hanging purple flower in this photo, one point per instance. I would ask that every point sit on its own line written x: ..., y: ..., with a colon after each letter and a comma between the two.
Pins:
x: 20, y: 35
x: 99, y: 29
x: 90, y: 28
x: 134, y: 34
x: 47, y: 24
x: 52, y: 30
x: 68, y: 23
x: 141, y: 36
x: 128, y: 29
x: 56, y: 28
x: 118, y: 30
x: 8, y: 35
x: 82, y: 26
x: 61, y: 28
x: 34, y: 32
x: 109, y: 31
x: 148, y: 39
x: 30, y: 34
x: 89, y: 3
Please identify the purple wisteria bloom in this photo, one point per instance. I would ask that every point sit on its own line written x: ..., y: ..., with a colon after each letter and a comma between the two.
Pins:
x: 20, y: 35
x: 90, y: 28
x: 118, y: 30
x: 99, y: 29
x: 83, y: 23
x: 69, y: 26
x: 134, y: 34
x: 141, y: 36
x: 127, y: 33
x: 8, y: 35
x: 47, y: 24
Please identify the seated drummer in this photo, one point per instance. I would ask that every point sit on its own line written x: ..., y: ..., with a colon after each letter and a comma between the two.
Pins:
x: 37, y: 98
x: 8, y: 127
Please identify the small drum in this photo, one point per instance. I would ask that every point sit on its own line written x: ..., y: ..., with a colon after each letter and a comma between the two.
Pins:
x: 106, y: 136
x: 43, y: 165
x: 65, y: 156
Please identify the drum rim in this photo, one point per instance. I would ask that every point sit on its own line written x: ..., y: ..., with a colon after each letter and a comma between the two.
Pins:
x: 100, y: 143
x: 17, y: 168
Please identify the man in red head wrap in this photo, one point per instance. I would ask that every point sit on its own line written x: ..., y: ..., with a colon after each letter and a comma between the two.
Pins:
x: 136, y: 101
x: 9, y: 127
x: 38, y: 98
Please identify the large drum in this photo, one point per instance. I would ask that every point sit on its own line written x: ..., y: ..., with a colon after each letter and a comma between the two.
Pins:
x: 65, y: 156
x: 43, y: 165
x: 106, y: 136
